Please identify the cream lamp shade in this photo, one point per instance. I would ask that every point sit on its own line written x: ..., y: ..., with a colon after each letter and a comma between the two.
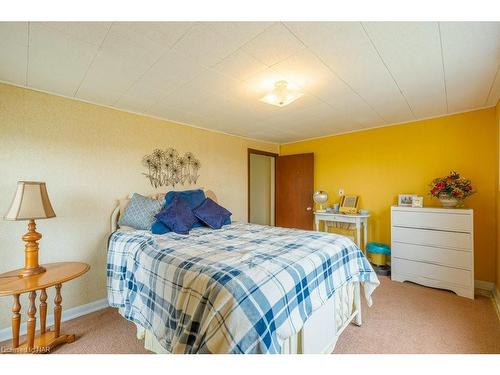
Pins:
x: 30, y: 202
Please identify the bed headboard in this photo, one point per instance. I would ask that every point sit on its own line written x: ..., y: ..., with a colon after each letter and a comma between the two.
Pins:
x: 115, y: 215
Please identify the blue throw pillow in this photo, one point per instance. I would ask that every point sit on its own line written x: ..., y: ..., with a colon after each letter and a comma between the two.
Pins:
x: 159, y: 228
x: 177, y: 216
x: 140, y: 212
x: 212, y: 214
x: 193, y: 198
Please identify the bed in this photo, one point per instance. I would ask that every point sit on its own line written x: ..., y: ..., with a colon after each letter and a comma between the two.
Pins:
x: 242, y: 289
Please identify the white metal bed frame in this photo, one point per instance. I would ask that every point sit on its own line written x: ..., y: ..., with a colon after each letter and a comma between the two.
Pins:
x: 318, y: 335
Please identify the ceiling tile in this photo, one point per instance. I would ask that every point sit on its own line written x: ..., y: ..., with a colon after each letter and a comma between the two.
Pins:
x: 494, y: 95
x: 412, y: 52
x: 270, y: 132
x: 205, y: 46
x: 165, y: 34
x: 216, y: 105
x: 345, y: 48
x: 185, y: 98
x: 13, y: 63
x: 215, y: 82
x: 88, y: 32
x: 13, y: 52
x: 140, y: 96
x: 240, y: 65
x: 109, y: 77
x: 126, y: 41
x: 14, y: 33
x: 316, y: 129
x: 275, y: 44
x: 172, y: 69
x: 471, y: 53
x: 57, y: 61
x: 238, y: 33
x: 358, y: 111
x: 174, y: 114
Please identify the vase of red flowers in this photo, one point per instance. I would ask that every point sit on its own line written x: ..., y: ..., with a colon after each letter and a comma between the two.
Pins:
x: 451, y: 190
x: 447, y: 201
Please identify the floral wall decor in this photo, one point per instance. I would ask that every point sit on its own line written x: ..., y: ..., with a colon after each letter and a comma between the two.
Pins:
x: 167, y: 167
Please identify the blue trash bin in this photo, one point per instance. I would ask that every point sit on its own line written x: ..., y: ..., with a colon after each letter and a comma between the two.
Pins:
x: 378, y: 253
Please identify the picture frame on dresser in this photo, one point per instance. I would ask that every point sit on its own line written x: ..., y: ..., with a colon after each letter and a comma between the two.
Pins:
x: 417, y: 201
x: 434, y: 247
x: 405, y: 200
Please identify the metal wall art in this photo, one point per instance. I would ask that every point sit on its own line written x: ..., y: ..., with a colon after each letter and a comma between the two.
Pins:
x: 166, y: 167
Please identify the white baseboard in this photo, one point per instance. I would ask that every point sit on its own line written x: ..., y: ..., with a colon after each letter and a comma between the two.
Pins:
x: 75, y: 312
x: 489, y: 289
x: 484, y: 288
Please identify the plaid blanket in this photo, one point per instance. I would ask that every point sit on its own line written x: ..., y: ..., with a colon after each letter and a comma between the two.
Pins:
x: 242, y: 289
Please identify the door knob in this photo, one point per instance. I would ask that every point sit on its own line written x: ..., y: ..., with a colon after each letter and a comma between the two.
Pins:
x: 308, y: 208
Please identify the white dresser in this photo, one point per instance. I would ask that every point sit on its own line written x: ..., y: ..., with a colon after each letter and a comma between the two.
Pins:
x: 434, y: 247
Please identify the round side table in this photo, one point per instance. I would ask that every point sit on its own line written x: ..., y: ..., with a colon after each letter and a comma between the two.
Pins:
x: 11, y: 284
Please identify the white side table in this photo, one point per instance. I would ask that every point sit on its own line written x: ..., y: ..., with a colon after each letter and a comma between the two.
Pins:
x: 358, y: 220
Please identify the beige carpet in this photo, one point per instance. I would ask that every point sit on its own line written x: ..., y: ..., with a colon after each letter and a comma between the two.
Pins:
x: 410, y: 318
x: 405, y: 318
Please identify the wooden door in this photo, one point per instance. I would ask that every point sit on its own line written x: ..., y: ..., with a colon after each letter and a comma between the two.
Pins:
x: 294, y: 191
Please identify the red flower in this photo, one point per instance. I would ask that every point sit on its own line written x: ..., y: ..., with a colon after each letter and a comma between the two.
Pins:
x: 440, y: 185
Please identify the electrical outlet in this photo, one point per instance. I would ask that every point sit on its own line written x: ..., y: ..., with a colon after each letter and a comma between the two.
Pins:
x: 341, y: 192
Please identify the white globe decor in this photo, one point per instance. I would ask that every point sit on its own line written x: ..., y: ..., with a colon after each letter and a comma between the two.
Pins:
x: 320, y: 198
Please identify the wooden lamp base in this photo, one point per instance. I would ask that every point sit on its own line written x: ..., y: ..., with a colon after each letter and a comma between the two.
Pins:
x: 31, y: 266
x: 25, y: 272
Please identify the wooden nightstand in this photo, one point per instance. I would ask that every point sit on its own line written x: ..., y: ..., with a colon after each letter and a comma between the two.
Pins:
x: 12, y: 285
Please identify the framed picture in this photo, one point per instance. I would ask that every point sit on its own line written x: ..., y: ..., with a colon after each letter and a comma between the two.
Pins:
x: 417, y: 201
x: 349, y: 204
x: 405, y: 200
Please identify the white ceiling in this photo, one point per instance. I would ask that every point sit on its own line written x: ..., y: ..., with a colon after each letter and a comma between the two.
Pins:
x: 211, y: 74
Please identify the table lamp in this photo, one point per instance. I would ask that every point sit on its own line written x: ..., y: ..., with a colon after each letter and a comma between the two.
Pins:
x: 30, y: 202
x: 320, y: 197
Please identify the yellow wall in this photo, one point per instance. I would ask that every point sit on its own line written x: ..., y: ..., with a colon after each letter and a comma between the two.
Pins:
x: 379, y: 164
x: 90, y: 156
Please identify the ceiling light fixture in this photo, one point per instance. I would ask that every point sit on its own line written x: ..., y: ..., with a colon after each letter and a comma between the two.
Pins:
x: 281, y: 95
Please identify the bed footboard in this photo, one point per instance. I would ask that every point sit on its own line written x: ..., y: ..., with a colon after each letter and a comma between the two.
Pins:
x: 321, y: 332
x: 342, y: 309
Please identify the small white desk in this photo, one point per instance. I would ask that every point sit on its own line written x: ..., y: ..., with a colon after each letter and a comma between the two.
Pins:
x: 358, y: 220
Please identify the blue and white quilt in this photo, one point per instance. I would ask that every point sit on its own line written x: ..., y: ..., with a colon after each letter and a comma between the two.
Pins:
x: 242, y: 289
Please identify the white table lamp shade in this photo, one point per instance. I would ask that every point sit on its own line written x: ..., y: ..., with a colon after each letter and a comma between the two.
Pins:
x: 30, y: 202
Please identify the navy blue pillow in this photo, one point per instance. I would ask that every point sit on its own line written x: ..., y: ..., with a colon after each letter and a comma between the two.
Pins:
x: 193, y: 197
x: 212, y: 214
x: 177, y: 216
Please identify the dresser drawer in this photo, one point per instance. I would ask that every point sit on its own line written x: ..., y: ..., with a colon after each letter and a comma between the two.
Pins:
x: 432, y: 220
x: 445, y: 257
x: 432, y: 271
x: 453, y: 240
